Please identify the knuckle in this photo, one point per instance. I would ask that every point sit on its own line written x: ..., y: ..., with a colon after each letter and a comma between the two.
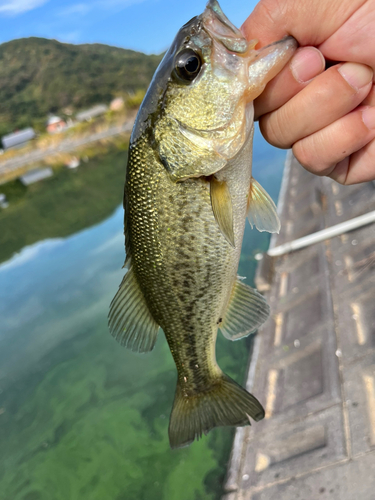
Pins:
x: 274, y: 128
x: 306, y: 157
x: 315, y: 153
x: 266, y: 10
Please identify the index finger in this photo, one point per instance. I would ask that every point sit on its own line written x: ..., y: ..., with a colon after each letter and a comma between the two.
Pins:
x: 306, y: 63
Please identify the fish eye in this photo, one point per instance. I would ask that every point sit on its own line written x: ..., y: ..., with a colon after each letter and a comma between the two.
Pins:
x: 187, y: 65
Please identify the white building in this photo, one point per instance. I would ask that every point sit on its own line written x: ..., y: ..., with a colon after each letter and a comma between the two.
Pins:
x: 18, y: 138
x: 3, y: 201
x: 36, y: 175
x: 91, y: 113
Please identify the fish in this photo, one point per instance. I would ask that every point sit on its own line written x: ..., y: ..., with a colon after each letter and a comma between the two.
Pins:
x: 188, y: 191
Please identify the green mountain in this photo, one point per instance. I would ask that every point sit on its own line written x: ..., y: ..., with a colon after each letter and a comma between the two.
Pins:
x: 40, y: 76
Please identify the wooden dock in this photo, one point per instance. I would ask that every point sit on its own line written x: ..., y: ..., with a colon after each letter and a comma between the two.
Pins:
x: 313, y: 364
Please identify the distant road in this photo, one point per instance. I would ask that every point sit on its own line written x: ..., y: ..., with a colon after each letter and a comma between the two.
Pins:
x: 65, y: 146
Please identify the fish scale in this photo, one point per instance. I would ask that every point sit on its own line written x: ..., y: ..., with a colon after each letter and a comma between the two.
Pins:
x: 188, y: 190
x: 188, y: 268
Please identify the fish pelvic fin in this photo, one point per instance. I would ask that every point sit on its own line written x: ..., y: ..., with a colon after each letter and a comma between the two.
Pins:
x: 247, y: 311
x: 224, y: 403
x: 261, y: 210
x: 130, y: 321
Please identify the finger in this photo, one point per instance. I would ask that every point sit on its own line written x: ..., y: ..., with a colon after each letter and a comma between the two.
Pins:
x: 311, y: 22
x: 359, y: 167
x: 327, y: 98
x: 370, y: 99
x: 353, y: 40
x: 324, y: 152
x: 306, y: 63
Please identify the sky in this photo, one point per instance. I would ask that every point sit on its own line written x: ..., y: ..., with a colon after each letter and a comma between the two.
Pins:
x: 145, y: 25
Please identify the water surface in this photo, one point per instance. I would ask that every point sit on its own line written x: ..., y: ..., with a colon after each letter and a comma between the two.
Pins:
x: 80, y: 416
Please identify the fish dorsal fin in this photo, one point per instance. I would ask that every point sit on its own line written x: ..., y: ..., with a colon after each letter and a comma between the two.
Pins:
x: 130, y: 321
x: 261, y: 210
x: 247, y: 311
x: 221, y: 202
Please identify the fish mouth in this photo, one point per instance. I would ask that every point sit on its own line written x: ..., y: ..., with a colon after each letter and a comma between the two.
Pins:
x: 231, y: 53
x: 218, y: 26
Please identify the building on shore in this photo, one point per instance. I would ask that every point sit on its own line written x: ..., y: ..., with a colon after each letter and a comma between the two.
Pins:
x: 55, y: 124
x: 313, y: 362
x: 17, y: 139
x: 91, y: 113
x: 36, y: 175
x: 73, y: 163
x: 117, y: 104
x: 3, y: 201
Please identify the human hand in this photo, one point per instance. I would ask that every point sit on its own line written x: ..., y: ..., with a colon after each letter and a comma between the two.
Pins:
x: 330, y: 120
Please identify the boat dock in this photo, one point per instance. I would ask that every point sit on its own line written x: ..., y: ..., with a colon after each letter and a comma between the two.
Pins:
x: 313, y: 362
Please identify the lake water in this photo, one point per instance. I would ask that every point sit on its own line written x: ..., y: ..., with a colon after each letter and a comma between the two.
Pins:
x: 80, y: 416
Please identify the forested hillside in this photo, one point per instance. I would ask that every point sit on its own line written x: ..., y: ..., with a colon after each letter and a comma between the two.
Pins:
x: 40, y: 76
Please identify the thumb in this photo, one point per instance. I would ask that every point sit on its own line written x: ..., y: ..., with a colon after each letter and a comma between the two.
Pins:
x: 310, y: 22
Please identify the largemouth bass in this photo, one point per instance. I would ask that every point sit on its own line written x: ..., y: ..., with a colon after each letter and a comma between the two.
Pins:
x: 188, y: 191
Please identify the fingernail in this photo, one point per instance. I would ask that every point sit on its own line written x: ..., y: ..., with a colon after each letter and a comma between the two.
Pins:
x: 357, y: 75
x: 368, y: 117
x: 307, y: 63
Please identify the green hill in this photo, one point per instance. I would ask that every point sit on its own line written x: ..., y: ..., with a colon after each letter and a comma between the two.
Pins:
x: 40, y: 76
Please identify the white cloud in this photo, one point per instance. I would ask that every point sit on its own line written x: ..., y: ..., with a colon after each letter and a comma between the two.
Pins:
x: 15, y: 7
x: 69, y: 37
x: 78, y: 8
x: 117, y: 4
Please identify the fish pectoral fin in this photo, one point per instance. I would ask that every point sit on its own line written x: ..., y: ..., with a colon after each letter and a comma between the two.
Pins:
x: 130, y: 321
x: 224, y: 402
x: 221, y: 203
x: 261, y: 210
x: 247, y: 311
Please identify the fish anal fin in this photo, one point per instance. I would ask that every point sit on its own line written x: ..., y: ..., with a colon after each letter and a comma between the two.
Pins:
x: 223, y: 403
x: 221, y: 203
x: 247, y: 311
x: 261, y: 210
x: 130, y: 321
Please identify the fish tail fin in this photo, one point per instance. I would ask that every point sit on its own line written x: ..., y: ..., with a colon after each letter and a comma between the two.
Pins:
x: 223, y: 403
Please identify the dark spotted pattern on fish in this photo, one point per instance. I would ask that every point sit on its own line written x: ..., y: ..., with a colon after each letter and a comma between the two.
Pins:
x: 182, y: 262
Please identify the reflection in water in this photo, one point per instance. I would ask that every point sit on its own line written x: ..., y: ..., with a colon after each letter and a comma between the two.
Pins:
x: 81, y: 417
x: 59, y: 284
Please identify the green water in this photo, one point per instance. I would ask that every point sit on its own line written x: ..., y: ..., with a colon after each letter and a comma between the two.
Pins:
x: 80, y: 416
